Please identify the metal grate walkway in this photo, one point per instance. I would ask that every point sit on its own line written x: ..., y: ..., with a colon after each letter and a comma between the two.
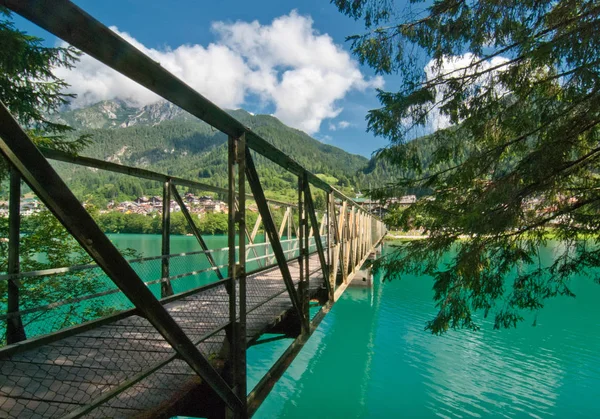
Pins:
x: 75, y: 373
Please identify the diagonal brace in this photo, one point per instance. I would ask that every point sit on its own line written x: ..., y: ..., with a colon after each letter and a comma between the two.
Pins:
x: 310, y: 209
x: 271, y: 230
x: 195, y: 230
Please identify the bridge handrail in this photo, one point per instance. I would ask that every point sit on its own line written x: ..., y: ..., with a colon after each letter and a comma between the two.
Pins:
x: 141, y: 173
x: 75, y: 268
x: 79, y: 268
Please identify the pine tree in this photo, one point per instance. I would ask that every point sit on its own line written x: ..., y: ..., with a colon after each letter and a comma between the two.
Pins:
x: 30, y: 89
x: 516, y: 85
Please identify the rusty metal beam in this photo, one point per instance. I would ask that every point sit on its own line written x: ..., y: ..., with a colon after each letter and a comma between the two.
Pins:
x: 137, y: 172
x: 166, y: 289
x: 271, y: 230
x: 240, y: 274
x: 195, y: 230
x: 15, y: 331
x: 310, y: 209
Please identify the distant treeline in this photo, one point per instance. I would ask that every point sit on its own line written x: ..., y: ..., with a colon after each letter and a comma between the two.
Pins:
x: 117, y: 222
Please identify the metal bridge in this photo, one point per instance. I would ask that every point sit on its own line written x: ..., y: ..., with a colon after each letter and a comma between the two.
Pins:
x: 165, y: 335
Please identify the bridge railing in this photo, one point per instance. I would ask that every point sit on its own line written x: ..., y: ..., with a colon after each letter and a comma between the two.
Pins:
x: 53, y: 299
x: 347, y: 227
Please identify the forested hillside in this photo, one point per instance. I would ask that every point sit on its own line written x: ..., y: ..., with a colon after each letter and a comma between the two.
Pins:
x: 163, y: 138
x: 431, y: 151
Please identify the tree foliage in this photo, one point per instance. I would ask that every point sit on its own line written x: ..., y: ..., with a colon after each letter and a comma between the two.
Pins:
x: 30, y: 89
x: 518, y: 86
x: 46, y: 244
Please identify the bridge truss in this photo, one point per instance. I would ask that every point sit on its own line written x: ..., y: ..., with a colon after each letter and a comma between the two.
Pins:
x: 170, y: 333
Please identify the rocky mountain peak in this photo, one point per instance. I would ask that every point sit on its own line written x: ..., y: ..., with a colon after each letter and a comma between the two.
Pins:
x: 119, y: 114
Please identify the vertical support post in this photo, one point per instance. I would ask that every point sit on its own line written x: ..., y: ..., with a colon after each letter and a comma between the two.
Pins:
x: 240, y: 271
x: 344, y: 217
x: 231, y: 288
x: 302, y: 254
x: 337, y: 251
x: 237, y: 268
x: 311, y: 216
x: 327, y: 229
x: 330, y: 209
x: 165, y: 286
x: 267, y: 246
x: 232, y: 334
x: 355, y: 242
x: 289, y: 225
x: 306, y: 296
x: 15, y: 332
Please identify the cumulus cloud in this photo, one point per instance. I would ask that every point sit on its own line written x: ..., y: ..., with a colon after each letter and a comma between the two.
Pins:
x: 458, y: 66
x: 287, y: 64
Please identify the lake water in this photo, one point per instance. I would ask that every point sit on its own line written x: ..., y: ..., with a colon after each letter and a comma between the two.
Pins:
x: 371, y: 358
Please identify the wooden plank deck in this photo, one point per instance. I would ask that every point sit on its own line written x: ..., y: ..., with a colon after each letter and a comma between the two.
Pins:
x: 61, y: 377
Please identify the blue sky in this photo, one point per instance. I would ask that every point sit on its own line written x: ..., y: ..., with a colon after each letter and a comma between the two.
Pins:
x: 280, y: 57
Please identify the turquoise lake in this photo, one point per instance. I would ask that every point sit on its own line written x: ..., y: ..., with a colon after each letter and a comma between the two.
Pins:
x: 371, y: 358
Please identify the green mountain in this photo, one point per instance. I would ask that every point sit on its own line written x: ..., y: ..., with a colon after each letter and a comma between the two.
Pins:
x: 164, y: 138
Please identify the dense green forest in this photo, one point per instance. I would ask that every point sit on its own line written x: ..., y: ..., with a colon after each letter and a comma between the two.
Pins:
x: 185, y: 147
x: 385, y: 175
x: 212, y: 223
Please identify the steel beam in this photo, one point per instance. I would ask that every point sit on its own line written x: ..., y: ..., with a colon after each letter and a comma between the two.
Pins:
x: 302, y: 254
x: 306, y: 284
x: 310, y: 209
x: 240, y: 272
x: 165, y: 286
x: 15, y: 331
x: 271, y: 230
x: 126, y: 170
x: 195, y: 230
x: 233, y: 331
x: 137, y: 172
x: 20, y: 151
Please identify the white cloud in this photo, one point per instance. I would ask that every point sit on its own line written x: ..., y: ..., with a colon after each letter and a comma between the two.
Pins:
x: 458, y: 66
x: 339, y: 125
x: 286, y: 64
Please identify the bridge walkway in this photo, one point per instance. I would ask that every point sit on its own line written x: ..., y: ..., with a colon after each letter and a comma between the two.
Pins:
x: 75, y: 373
